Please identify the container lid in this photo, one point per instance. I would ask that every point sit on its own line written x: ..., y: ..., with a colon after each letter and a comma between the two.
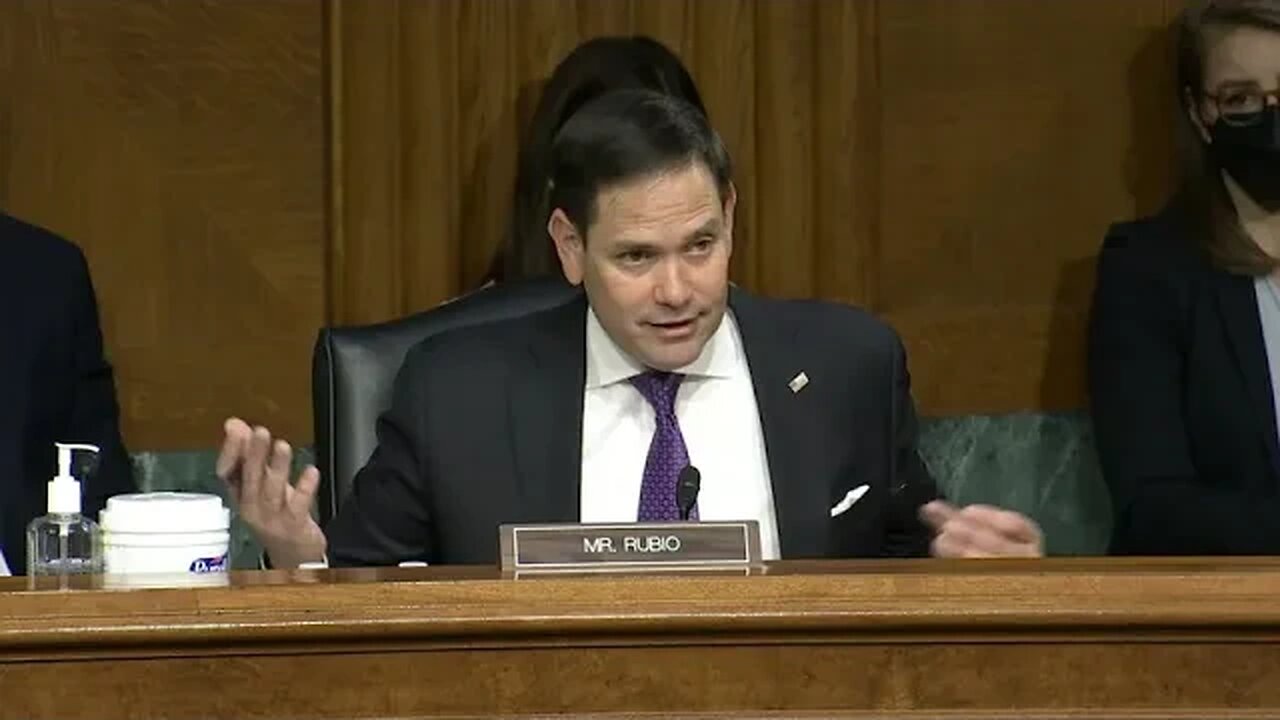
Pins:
x: 165, y: 512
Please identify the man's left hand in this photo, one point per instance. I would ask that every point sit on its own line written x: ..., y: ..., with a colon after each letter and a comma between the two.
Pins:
x: 981, y: 531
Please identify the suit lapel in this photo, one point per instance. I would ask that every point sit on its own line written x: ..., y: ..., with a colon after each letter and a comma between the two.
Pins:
x: 799, y: 499
x: 546, y: 415
x: 1238, y: 305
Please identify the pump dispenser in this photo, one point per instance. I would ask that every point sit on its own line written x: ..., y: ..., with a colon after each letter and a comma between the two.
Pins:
x: 64, y: 542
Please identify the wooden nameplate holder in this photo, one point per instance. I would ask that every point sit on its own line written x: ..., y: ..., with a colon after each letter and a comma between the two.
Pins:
x: 630, y: 547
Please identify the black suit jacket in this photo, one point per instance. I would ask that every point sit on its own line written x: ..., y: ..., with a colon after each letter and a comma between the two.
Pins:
x: 486, y: 428
x: 55, y: 384
x: 1181, y: 396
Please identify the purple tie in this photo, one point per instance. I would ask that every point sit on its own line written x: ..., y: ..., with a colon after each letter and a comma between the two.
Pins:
x: 667, y: 452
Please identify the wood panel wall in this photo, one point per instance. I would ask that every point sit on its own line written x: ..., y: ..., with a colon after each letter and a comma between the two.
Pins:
x: 240, y: 173
x: 182, y: 145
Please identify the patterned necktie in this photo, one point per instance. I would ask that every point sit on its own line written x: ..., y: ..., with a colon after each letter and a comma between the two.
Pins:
x: 667, y: 452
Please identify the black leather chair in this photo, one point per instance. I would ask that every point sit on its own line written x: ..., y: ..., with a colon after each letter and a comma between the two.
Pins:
x: 353, y: 369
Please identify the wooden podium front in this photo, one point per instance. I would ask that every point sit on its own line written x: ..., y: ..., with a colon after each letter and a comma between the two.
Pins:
x: 970, y: 639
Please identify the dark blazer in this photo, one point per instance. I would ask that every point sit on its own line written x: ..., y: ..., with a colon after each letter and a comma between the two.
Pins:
x: 55, y: 384
x: 486, y: 428
x: 1181, y: 396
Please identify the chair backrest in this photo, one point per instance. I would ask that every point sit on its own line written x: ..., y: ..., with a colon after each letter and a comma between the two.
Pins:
x: 354, y: 368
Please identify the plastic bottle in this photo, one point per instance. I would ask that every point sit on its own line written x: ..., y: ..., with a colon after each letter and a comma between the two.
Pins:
x: 64, y: 542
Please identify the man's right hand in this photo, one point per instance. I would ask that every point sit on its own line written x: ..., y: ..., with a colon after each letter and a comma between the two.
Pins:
x: 256, y: 471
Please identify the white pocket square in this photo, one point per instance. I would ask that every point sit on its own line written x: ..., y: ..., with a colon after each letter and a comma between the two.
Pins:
x: 850, y: 498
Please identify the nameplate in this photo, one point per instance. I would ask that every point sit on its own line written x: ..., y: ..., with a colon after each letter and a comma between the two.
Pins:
x: 624, y: 546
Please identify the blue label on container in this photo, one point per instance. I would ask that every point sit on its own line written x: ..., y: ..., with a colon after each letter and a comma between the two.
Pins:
x: 208, y: 565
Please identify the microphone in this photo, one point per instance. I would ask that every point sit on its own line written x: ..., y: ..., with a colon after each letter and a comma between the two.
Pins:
x: 687, y: 486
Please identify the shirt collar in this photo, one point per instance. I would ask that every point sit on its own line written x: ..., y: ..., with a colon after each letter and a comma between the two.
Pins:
x: 721, y: 357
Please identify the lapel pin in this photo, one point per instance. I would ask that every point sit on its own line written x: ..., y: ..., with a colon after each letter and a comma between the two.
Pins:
x: 798, y: 382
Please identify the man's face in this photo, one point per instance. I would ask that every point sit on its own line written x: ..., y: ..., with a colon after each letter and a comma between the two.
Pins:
x: 655, y: 263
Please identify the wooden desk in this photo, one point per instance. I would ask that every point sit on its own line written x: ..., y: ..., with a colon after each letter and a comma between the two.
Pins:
x: 1056, y: 638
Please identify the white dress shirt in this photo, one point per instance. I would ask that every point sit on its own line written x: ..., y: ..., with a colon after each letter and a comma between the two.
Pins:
x: 716, y: 408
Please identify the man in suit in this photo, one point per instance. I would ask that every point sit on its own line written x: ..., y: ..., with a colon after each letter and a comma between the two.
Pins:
x: 798, y: 414
x: 57, y: 385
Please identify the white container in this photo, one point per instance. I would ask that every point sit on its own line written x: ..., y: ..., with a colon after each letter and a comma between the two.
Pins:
x: 170, y: 533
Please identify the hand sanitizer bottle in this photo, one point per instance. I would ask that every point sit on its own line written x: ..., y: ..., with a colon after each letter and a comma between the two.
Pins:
x: 64, y: 542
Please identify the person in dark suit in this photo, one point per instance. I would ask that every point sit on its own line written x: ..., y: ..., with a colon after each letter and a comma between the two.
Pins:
x: 798, y: 414
x: 1184, y: 345
x: 58, y: 386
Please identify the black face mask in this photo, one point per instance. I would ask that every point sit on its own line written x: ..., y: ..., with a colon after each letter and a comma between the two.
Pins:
x: 1251, y: 156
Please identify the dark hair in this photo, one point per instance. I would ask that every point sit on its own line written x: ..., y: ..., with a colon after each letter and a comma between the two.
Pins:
x: 626, y: 135
x: 1203, y: 197
x: 589, y: 71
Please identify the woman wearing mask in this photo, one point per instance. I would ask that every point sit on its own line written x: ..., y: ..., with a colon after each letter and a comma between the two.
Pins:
x: 1184, y: 354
